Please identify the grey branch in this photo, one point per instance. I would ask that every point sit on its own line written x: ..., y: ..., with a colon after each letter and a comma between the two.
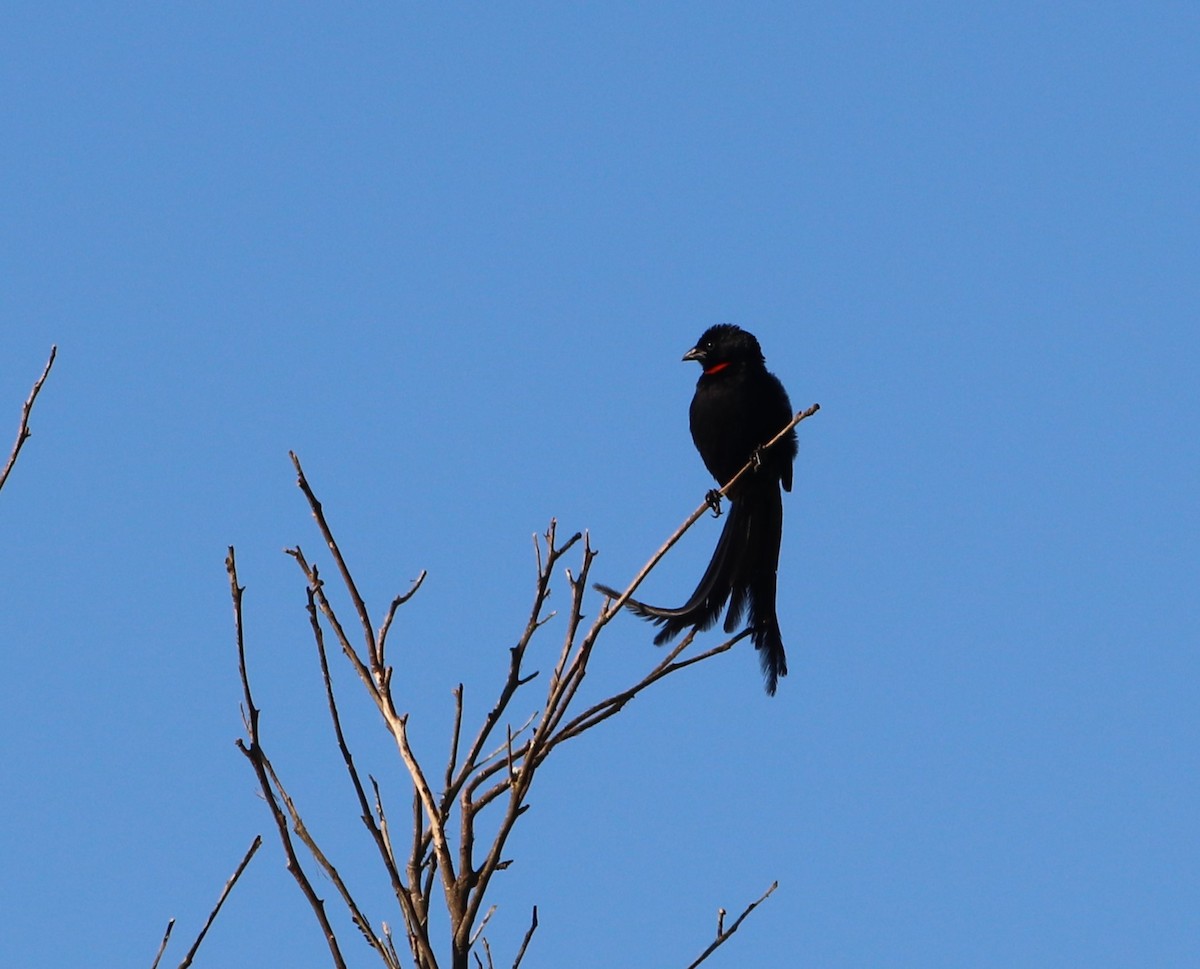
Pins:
x: 191, y: 954
x: 23, y: 432
x: 533, y: 924
x: 163, y: 946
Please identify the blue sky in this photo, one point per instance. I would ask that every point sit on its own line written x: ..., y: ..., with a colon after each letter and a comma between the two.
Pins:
x: 452, y: 259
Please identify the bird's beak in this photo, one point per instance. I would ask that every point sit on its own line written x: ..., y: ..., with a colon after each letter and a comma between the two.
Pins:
x: 695, y: 353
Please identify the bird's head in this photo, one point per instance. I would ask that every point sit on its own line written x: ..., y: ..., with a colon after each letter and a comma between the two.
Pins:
x: 722, y: 345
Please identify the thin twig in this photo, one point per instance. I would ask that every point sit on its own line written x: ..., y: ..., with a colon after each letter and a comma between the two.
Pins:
x: 191, y: 954
x: 381, y: 636
x: 594, y: 715
x: 452, y: 763
x: 567, y: 680
x: 163, y: 947
x: 359, y: 605
x: 723, y: 934
x: 613, y: 704
x: 356, y: 915
x: 487, y: 917
x: 23, y: 431
x: 317, y: 584
x: 387, y: 935
x: 517, y: 653
x: 556, y: 735
x: 525, y: 944
x: 507, y: 747
x: 578, y: 589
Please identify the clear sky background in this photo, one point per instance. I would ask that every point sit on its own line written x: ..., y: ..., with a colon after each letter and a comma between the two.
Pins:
x: 452, y: 258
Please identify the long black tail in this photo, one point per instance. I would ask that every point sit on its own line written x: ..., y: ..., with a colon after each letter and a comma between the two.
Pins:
x: 755, y: 586
x: 741, y: 572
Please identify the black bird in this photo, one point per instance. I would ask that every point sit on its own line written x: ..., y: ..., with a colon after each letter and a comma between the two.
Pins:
x: 739, y: 406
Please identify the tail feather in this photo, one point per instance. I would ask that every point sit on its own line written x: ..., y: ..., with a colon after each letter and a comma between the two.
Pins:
x: 769, y: 642
x: 760, y: 579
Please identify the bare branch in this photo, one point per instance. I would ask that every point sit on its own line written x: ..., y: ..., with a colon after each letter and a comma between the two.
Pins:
x: 23, y: 432
x: 507, y: 747
x: 258, y: 760
x: 487, y: 917
x: 301, y: 829
x: 723, y: 934
x: 596, y: 714
x: 517, y: 654
x: 454, y: 736
x: 533, y: 924
x: 613, y: 704
x: 417, y: 856
x: 387, y: 936
x: 191, y: 954
x: 317, y: 584
x: 359, y: 605
x: 381, y: 637
x: 163, y: 947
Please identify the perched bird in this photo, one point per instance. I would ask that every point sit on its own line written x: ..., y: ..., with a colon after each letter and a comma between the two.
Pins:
x: 738, y: 406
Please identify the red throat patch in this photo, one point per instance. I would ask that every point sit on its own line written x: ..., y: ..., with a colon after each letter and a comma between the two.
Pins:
x: 716, y: 368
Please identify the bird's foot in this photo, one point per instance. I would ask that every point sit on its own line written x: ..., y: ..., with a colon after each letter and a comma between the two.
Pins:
x: 713, y: 500
x: 756, y: 458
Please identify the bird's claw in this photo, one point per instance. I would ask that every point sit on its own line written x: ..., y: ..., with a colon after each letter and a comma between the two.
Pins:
x: 756, y: 458
x: 713, y: 500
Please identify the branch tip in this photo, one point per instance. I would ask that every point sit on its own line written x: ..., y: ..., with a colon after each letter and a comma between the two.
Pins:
x: 23, y: 431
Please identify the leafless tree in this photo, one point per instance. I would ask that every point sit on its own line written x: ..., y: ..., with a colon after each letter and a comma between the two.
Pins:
x: 434, y: 851
x: 23, y: 431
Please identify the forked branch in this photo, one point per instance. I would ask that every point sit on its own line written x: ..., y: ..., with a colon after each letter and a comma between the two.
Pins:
x: 723, y: 933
